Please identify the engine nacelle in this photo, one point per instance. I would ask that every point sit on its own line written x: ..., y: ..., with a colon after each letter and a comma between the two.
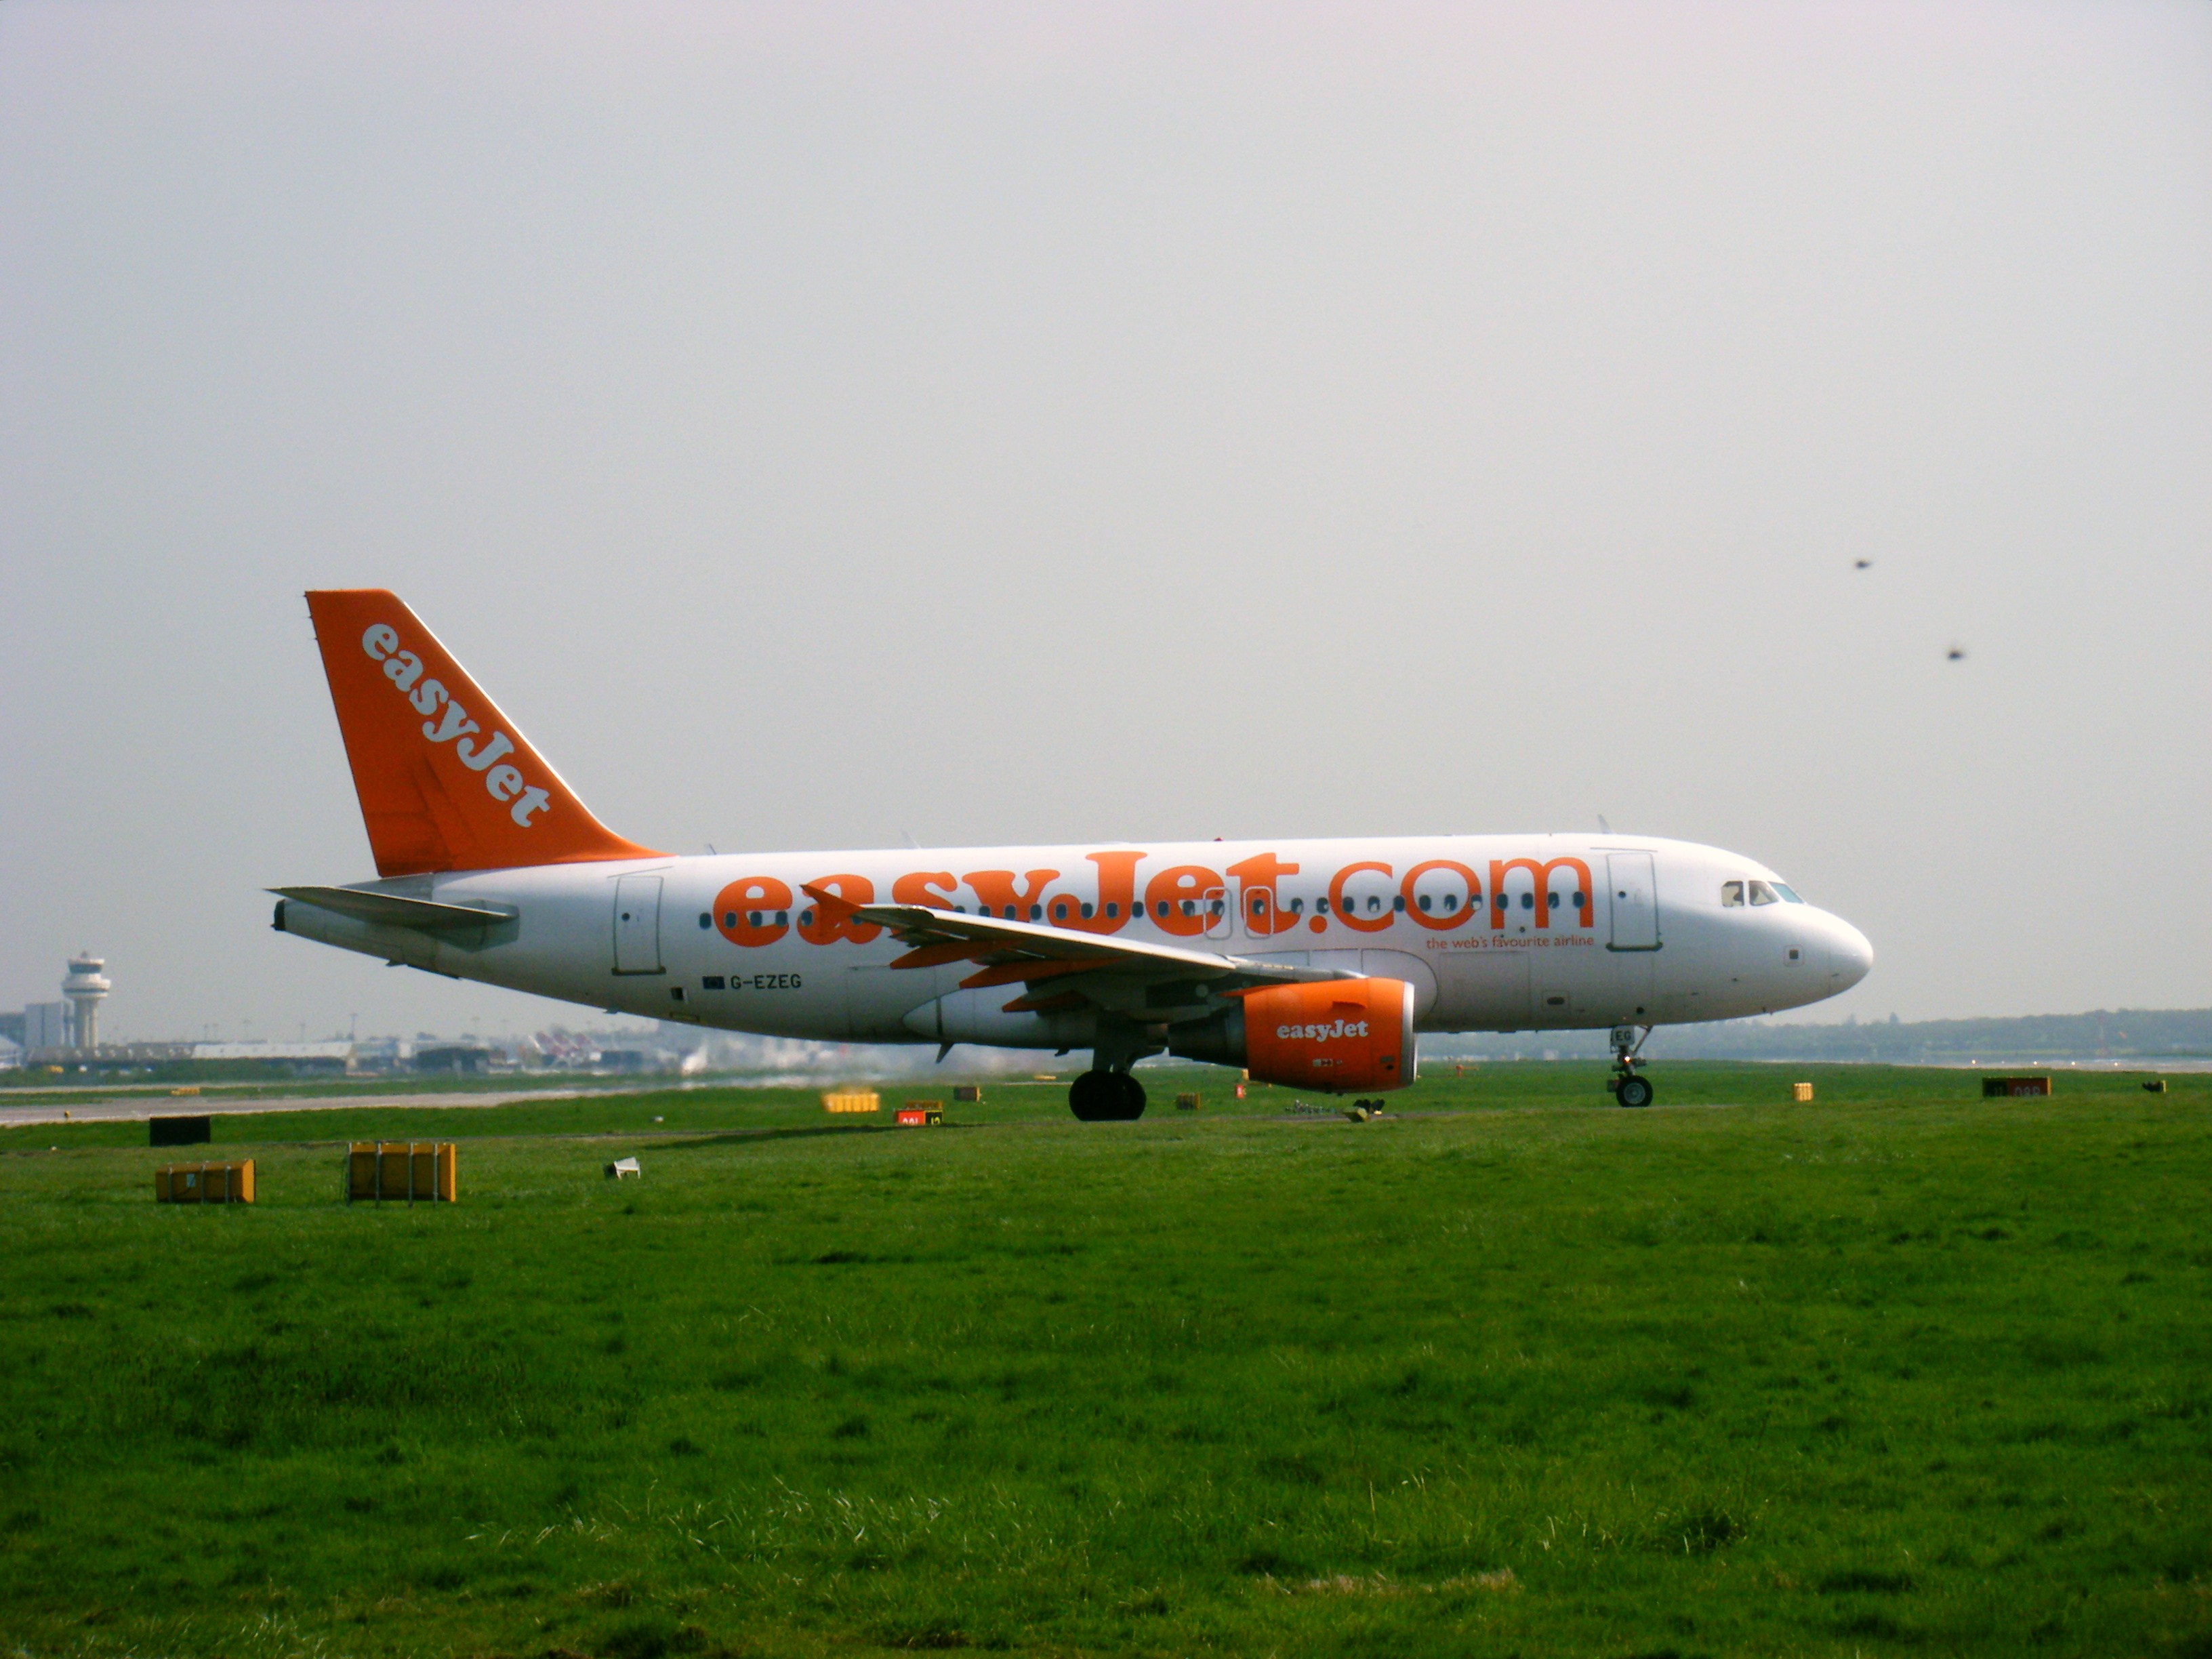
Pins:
x: 1339, y: 1036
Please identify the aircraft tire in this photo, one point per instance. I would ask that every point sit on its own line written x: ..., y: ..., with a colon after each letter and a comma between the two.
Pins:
x: 1634, y: 1091
x: 1094, y: 1097
x: 1131, y: 1101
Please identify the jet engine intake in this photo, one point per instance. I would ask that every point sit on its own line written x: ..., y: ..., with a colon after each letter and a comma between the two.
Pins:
x: 1339, y: 1036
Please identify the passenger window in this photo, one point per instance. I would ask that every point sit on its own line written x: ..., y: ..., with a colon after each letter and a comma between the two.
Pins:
x: 1113, y: 909
x: 1321, y: 905
x: 1085, y: 907
x: 1036, y: 912
x: 1731, y: 895
x: 1528, y: 901
x: 1373, y: 904
x: 1297, y: 907
x: 706, y: 918
x: 1762, y: 894
x: 1424, y: 901
x: 1399, y: 903
x: 729, y: 919
x: 1060, y: 912
x: 1553, y: 898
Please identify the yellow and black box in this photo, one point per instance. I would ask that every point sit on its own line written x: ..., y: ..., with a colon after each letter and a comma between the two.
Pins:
x: 966, y: 1094
x: 1800, y: 1091
x: 409, y: 1171
x: 1186, y: 1103
x: 204, y: 1183
x: 856, y: 1100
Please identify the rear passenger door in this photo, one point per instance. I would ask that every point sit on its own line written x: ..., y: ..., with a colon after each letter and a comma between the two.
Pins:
x: 637, y: 925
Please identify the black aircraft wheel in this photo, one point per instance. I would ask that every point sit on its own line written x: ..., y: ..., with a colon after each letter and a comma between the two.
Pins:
x: 1633, y: 1091
x: 1094, y: 1097
x: 1132, y: 1102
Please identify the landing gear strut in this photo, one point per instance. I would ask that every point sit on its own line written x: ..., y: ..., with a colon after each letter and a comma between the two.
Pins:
x: 1107, y: 1093
x: 1107, y: 1097
x: 1626, y: 1084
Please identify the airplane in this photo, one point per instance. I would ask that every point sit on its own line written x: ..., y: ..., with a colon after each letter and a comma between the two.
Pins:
x: 1314, y: 964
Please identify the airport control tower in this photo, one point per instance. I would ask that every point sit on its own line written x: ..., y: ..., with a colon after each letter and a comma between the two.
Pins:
x: 84, y: 988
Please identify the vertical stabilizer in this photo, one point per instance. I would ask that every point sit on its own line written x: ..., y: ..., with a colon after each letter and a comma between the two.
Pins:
x: 446, y: 780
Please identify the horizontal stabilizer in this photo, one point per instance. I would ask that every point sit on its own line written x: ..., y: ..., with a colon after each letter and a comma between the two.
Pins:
x: 390, y: 910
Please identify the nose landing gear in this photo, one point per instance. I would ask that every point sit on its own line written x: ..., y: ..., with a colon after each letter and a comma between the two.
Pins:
x: 1626, y: 1084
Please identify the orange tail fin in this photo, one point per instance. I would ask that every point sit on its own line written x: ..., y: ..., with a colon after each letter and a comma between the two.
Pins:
x: 446, y: 780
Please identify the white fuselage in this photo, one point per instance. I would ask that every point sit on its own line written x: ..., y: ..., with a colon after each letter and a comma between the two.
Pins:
x: 1596, y: 931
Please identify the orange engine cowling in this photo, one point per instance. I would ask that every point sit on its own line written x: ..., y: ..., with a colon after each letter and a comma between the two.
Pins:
x: 1338, y: 1035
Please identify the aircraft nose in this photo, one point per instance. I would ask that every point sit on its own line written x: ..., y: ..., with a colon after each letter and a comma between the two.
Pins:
x: 1850, y: 954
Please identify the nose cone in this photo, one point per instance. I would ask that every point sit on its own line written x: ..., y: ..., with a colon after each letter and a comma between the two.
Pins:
x: 1850, y: 955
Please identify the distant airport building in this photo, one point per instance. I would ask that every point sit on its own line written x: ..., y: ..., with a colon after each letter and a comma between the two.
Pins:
x: 382, y: 1053
x: 298, y: 1058
x: 460, y: 1058
x: 45, y: 1025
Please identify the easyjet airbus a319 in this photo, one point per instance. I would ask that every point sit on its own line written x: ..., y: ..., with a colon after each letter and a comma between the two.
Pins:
x: 1314, y: 964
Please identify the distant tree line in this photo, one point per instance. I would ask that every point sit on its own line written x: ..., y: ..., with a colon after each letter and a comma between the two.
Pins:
x: 2120, y: 1034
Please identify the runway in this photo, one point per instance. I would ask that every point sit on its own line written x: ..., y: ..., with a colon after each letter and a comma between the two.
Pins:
x: 143, y: 1107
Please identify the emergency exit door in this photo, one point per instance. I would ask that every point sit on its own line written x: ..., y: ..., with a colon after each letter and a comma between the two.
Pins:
x: 1633, y: 898
x: 637, y: 925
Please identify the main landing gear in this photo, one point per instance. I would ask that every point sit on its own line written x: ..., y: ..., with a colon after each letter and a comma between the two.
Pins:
x: 1628, y: 1086
x: 1105, y: 1096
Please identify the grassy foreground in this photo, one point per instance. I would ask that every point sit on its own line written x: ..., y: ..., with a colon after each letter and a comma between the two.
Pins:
x: 1898, y: 1371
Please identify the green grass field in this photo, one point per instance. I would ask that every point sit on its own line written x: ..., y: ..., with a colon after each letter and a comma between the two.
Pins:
x: 1899, y: 1371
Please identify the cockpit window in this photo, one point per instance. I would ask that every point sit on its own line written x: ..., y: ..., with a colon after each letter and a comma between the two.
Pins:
x: 1789, y: 894
x: 1762, y: 894
x: 1731, y: 895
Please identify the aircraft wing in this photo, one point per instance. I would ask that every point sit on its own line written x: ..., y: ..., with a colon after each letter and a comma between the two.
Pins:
x: 1029, y: 953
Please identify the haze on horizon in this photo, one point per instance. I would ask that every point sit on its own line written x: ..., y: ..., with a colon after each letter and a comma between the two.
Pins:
x: 824, y: 425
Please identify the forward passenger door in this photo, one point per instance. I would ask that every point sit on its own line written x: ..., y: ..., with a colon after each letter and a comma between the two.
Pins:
x: 1633, y: 898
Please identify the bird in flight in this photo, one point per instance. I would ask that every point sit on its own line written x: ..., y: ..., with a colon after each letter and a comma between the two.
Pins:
x: 1863, y: 564
x: 1957, y: 653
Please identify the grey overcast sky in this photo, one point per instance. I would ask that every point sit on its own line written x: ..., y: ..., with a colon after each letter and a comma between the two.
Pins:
x: 819, y: 423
